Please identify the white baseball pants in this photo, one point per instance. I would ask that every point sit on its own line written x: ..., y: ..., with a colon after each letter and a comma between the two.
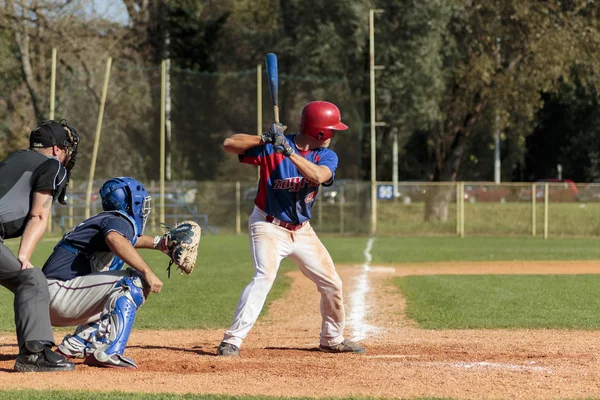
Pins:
x: 269, y: 244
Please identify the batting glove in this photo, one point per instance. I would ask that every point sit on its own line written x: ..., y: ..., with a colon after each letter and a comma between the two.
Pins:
x: 268, y: 137
x: 282, y: 145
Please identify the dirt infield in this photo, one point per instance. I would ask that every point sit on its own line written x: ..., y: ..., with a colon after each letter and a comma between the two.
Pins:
x: 280, y: 358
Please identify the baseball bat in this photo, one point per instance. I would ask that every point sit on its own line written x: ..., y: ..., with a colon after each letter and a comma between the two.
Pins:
x: 271, y: 61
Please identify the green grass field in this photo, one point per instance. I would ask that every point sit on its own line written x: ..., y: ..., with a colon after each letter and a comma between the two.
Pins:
x: 502, y: 301
x: 208, y: 297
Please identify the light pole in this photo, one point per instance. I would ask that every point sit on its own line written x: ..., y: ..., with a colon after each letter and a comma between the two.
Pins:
x: 497, y: 133
x: 374, y: 123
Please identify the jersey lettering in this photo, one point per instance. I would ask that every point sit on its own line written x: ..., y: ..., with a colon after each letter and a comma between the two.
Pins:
x: 293, y: 184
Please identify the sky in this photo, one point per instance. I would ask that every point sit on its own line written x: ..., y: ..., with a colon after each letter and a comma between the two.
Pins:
x: 110, y: 9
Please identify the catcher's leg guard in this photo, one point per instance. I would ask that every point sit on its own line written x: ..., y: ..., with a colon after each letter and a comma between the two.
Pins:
x: 116, y: 326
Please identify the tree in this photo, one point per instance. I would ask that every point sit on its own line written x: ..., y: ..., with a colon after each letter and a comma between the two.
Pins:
x: 496, y: 56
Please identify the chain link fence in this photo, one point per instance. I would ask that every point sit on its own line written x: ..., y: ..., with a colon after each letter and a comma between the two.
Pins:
x: 412, y: 209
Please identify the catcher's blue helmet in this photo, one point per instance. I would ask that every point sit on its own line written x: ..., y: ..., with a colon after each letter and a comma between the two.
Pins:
x: 127, y: 195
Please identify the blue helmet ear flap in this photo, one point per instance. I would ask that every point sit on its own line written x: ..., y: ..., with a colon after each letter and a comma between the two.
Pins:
x: 114, y: 195
x: 127, y: 195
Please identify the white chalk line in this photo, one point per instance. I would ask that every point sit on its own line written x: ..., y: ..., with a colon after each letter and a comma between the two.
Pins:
x: 358, y: 299
x: 485, y: 364
x: 464, y: 364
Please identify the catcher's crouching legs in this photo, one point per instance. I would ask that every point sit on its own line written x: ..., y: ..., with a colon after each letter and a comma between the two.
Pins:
x: 80, y: 343
x: 115, y: 326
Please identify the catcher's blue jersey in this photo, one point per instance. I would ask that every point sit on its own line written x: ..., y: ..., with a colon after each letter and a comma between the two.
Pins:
x: 282, y: 190
x: 82, y: 249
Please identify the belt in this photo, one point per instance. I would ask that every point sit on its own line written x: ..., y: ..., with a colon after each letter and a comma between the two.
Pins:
x: 68, y: 247
x: 63, y: 244
x: 286, y: 225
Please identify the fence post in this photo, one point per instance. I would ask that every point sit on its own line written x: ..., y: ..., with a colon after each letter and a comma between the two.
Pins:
x: 546, y: 210
x: 71, y: 186
x: 457, y: 208
x: 342, y: 201
x: 238, y: 220
x: 533, y: 210
x: 462, y: 209
x: 320, y: 211
x: 153, y: 215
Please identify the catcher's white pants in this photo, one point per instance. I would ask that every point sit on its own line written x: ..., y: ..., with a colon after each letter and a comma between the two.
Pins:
x: 269, y: 244
x: 81, y: 300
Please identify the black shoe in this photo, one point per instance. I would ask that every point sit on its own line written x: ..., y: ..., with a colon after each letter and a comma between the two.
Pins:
x: 44, y: 361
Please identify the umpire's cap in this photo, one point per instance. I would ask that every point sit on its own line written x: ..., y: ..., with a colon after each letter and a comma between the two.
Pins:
x: 49, y: 134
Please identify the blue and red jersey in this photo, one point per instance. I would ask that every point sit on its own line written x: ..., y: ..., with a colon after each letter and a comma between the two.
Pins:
x: 282, y: 190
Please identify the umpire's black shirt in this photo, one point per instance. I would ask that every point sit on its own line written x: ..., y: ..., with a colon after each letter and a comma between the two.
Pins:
x: 21, y: 175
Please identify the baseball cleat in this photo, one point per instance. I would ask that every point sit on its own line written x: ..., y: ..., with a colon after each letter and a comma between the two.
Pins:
x: 347, y: 346
x: 44, y: 361
x: 109, y: 361
x: 228, y: 349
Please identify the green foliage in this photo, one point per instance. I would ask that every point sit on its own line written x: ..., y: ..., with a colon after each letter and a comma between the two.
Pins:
x: 502, y: 301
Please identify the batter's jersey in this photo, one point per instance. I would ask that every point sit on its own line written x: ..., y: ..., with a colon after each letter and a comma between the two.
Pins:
x: 282, y: 190
x: 24, y: 173
x: 83, y: 250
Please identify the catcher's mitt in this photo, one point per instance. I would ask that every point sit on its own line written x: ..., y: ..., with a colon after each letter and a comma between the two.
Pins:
x: 181, y: 242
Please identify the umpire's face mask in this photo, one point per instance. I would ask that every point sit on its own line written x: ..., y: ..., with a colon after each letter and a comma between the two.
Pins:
x: 71, y: 147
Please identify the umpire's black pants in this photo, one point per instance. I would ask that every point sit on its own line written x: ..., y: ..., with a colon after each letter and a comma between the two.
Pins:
x: 32, y: 314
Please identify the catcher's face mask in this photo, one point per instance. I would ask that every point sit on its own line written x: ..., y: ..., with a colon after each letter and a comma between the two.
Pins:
x: 146, y: 209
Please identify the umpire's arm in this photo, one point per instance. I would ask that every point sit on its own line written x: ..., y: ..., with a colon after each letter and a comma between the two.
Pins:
x: 240, y: 142
x: 37, y: 221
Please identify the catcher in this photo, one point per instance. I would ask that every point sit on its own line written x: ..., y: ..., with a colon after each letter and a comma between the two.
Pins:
x: 87, y: 284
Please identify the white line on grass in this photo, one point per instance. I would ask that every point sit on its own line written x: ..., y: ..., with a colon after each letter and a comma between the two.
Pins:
x: 358, y: 299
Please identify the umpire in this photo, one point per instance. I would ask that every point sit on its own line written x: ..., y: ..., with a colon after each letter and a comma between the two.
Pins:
x: 32, y: 180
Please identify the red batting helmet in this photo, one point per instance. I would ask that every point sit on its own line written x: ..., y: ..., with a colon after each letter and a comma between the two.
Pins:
x: 320, y: 119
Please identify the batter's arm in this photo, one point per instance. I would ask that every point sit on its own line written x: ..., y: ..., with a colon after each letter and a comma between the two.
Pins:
x: 240, y: 142
x: 37, y: 221
x: 121, y: 247
x: 311, y: 171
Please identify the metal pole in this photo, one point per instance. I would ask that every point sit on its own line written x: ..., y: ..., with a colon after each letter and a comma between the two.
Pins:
x: 395, y: 161
x: 374, y: 123
x: 52, y: 96
x: 458, y: 208
x: 88, y: 194
x: 153, y: 215
x: 238, y: 219
x: 462, y: 209
x: 71, y: 186
x: 546, y: 210
x: 168, y: 115
x: 497, y: 133
x: 163, y: 87
x: 258, y: 107
x: 53, y: 83
x: 533, y: 210
x: 341, y: 204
